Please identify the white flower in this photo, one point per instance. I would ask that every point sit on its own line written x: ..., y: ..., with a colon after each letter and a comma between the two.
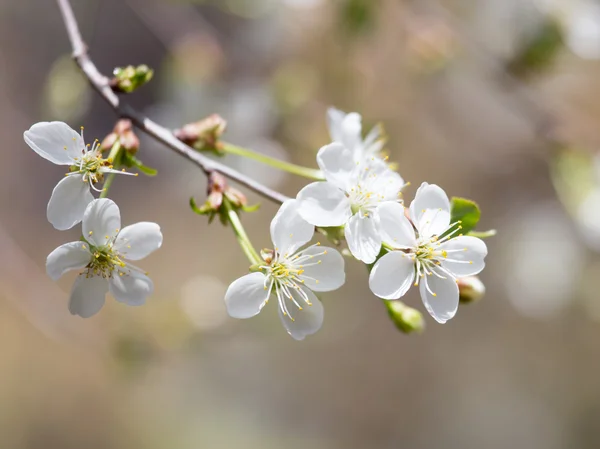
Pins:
x: 432, y: 258
x: 61, y: 145
x: 291, y: 275
x: 347, y: 130
x: 350, y: 196
x: 102, y: 257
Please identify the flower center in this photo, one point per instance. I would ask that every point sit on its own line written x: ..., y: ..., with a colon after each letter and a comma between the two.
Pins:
x: 285, y: 277
x: 105, y: 260
x: 362, y: 200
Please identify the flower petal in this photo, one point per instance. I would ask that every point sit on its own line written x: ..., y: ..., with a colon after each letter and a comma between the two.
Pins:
x: 444, y: 304
x: 101, y: 221
x: 324, y: 271
x: 362, y: 236
x: 138, y: 240
x: 430, y: 210
x: 351, y: 133
x: 246, y: 296
x: 323, y: 204
x: 55, y: 141
x: 392, y: 275
x: 289, y: 231
x: 68, y: 202
x: 87, y: 295
x: 131, y: 287
x: 306, y: 321
x: 335, y: 117
x: 337, y: 164
x: 396, y: 229
x: 67, y: 257
x: 387, y: 183
x: 465, y: 255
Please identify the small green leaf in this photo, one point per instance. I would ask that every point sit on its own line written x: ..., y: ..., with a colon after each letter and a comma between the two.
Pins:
x: 195, y: 207
x: 483, y: 234
x: 466, y: 211
x: 130, y: 160
x: 252, y: 208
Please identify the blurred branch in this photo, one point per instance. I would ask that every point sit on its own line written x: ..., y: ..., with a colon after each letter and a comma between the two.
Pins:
x: 544, y: 120
x: 101, y: 84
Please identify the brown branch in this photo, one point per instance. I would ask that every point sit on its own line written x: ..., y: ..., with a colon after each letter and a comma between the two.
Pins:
x: 101, y: 84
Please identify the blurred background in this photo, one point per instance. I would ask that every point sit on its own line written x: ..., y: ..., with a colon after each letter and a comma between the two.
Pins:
x: 495, y: 100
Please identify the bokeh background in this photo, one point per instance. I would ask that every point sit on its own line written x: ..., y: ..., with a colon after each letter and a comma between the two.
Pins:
x: 495, y: 100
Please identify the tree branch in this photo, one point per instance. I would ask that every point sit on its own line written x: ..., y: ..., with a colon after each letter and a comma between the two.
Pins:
x: 100, y: 83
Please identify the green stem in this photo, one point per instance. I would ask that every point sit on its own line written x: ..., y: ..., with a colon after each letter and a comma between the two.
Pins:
x: 294, y: 169
x: 115, y: 157
x: 241, y: 235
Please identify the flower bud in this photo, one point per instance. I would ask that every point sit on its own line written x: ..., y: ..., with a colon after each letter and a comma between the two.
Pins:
x: 219, y: 190
x: 406, y: 319
x: 471, y: 289
x: 123, y: 133
x: 203, y: 135
x: 127, y: 79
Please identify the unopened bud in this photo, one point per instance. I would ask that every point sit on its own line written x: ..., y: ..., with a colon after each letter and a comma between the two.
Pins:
x: 471, y: 289
x: 406, y: 319
x: 123, y: 133
x: 127, y: 79
x: 203, y: 135
x: 267, y: 255
x: 237, y: 198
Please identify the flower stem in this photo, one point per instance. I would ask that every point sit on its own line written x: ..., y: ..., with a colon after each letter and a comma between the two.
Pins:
x: 115, y: 157
x: 240, y: 233
x: 294, y: 169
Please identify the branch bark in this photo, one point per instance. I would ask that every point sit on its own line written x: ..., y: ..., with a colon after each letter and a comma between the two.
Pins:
x: 100, y: 83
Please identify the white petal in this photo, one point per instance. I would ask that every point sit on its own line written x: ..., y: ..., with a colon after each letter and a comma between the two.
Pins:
x: 246, y: 296
x: 469, y: 251
x: 388, y: 183
x: 444, y: 305
x: 68, y: 202
x: 335, y: 117
x: 362, y: 236
x: 138, y: 240
x: 351, y: 132
x: 67, y: 257
x: 325, y: 270
x: 87, y: 296
x: 101, y: 221
x: 289, y: 231
x: 430, y: 210
x: 372, y: 139
x: 337, y: 165
x: 396, y: 229
x: 132, y: 287
x: 323, y: 204
x: 306, y: 321
x: 55, y: 141
x: 392, y: 275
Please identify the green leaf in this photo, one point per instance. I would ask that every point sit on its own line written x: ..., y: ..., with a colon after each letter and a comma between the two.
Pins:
x: 466, y: 211
x: 130, y: 160
x: 483, y: 234
x: 252, y: 208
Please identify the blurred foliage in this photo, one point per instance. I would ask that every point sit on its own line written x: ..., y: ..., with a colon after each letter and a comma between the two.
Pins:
x: 572, y: 173
x: 539, y: 51
x: 358, y: 16
x: 67, y: 95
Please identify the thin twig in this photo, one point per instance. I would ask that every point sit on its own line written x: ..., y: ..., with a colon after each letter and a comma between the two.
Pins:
x: 100, y: 83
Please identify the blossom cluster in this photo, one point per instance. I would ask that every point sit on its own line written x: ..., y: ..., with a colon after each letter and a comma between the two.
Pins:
x: 361, y: 195
x: 103, y: 253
